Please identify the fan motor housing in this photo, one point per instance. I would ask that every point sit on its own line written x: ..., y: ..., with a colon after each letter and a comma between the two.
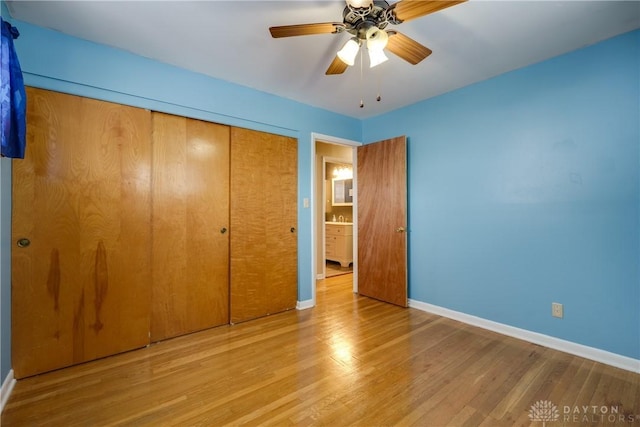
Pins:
x: 358, y: 20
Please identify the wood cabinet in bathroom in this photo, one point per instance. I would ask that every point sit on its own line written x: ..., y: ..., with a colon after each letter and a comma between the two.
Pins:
x: 339, y: 242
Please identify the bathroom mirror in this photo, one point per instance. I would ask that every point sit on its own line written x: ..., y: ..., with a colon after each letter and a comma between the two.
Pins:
x: 342, y: 192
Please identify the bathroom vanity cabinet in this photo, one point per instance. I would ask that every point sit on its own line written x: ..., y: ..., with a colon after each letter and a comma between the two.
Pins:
x: 339, y: 242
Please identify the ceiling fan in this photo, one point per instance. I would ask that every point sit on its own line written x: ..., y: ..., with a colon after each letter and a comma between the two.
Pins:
x: 366, y: 21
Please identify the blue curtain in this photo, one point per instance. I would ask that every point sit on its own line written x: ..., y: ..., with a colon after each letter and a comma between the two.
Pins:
x: 13, y: 100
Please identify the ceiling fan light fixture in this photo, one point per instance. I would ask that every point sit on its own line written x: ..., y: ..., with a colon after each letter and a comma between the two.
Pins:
x: 377, y: 39
x: 349, y: 51
x: 359, y: 3
x: 376, y: 57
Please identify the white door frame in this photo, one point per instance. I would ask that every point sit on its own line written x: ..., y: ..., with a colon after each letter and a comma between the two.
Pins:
x: 315, y: 138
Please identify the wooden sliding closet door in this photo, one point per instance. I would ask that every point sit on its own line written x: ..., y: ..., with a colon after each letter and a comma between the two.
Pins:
x: 81, y: 235
x: 263, y: 224
x: 190, y: 255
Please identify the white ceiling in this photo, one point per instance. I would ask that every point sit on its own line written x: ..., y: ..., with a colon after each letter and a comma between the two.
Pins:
x: 230, y: 40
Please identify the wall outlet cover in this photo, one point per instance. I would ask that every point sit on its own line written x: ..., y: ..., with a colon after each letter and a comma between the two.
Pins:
x: 557, y: 310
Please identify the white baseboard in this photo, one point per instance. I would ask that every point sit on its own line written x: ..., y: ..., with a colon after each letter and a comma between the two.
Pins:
x: 608, y: 358
x: 7, y: 387
x: 306, y: 304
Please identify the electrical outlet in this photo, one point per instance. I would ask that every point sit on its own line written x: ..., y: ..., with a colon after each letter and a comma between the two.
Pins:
x: 557, y: 310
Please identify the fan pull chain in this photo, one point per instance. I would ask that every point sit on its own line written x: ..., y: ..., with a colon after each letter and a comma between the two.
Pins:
x: 361, y: 82
x: 378, y: 98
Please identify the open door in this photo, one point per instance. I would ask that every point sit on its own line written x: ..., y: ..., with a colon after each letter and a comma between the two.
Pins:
x: 382, y: 219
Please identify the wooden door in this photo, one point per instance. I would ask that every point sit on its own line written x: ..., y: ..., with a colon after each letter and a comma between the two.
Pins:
x: 81, y: 210
x: 382, y: 220
x: 263, y: 224
x: 190, y: 255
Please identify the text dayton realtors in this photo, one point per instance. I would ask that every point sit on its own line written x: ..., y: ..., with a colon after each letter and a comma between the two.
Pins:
x: 594, y: 413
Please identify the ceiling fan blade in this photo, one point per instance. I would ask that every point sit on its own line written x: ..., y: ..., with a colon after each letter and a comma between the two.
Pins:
x: 336, y: 67
x: 407, y: 48
x: 406, y: 10
x: 306, y: 29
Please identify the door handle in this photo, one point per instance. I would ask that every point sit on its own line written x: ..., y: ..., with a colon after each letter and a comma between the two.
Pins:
x: 293, y: 229
x: 223, y: 230
x: 23, y: 243
x: 400, y: 230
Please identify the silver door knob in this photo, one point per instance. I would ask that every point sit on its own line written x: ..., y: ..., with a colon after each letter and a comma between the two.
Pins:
x: 23, y: 243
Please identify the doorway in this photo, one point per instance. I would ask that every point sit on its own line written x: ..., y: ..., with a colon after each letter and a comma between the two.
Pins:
x: 335, y: 154
x: 338, y: 215
x: 380, y: 240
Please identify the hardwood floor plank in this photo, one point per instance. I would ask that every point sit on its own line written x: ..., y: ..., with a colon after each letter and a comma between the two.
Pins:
x: 349, y: 361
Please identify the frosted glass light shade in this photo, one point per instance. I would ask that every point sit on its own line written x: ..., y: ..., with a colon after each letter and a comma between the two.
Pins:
x: 377, y: 39
x: 349, y: 51
x: 376, y: 57
x: 359, y: 3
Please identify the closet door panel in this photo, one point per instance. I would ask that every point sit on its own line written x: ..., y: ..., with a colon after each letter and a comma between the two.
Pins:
x: 81, y: 287
x: 263, y: 224
x: 190, y: 220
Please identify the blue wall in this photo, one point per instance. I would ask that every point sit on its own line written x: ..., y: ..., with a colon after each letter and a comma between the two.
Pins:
x: 525, y: 190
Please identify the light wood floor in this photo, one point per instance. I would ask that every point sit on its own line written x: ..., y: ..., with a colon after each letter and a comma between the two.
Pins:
x: 333, y: 268
x: 349, y: 361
